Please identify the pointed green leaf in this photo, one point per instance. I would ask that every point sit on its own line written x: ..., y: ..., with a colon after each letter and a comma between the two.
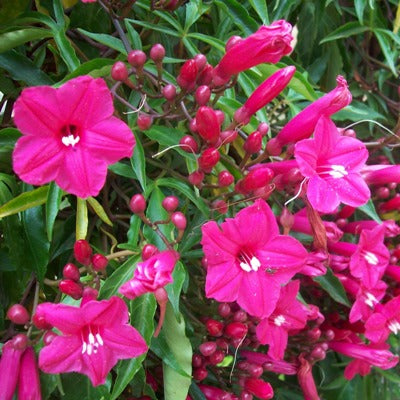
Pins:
x: 52, y: 206
x: 260, y: 7
x: 10, y: 40
x: 344, y: 31
x: 82, y: 221
x: 108, y: 40
x: 99, y: 210
x: 369, y: 209
x: 138, y: 163
x: 333, y: 287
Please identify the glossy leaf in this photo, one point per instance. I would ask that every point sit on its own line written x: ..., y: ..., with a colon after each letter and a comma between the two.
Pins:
x: 174, y: 289
x: 99, y: 210
x: 369, y: 209
x: 9, y: 40
x: 52, y: 206
x: 107, y: 40
x: 82, y: 221
x: 345, y: 31
x: 333, y: 287
x: 138, y: 163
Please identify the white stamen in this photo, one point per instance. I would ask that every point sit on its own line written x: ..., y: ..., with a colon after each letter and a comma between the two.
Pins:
x: 89, y: 349
x: 91, y: 338
x: 70, y: 140
x: 254, y: 265
x: 99, y: 339
x: 371, y: 258
x: 279, y: 320
x: 394, y: 326
x: 370, y: 300
x: 84, y: 347
x: 337, y: 171
x: 245, y: 267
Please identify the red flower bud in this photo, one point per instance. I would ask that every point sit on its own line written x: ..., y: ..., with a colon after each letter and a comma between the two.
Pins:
x: 137, y: 58
x: 217, y: 357
x: 187, y: 75
x: 201, y: 61
x: 228, y: 136
x: 169, y: 92
x: 71, y: 271
x: 196, y: 178
x: 189, y: 144
x: 40, y: 322
x: 225, y: 178
x: 202, y: 95
x: 170, y: 203
x: 220, y: 206
x: 82, y: 252
x: 206, y: 75
x: 207, y: 348
x: 256, y: 178
x: 193, y: 125
x: 144, y: 121
x: 148, y: 251
x: 208, y: 159
x: 214, y: 327
x: 18, y: 314
x: 138, y: 204
x: 157, y: 52
x: 179, y: 220
x: 224, y: 310
x: 207, y: 124
x: 236, y: 330
x: 253, y: 143
x: 119, y: 72
x: 263, y: 128
x: 99, y: 262
x: 20, y: 341
x: 197, y: 360
x: 259, y: 388
x: 200, y: 374
x: 71, y: 288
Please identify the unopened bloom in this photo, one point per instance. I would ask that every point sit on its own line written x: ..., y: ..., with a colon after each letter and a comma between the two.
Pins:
x: 306, y: 379
x: 303, y: 124
x: 259, y: 388
x: 268, y: 44
x: 9, y: 369
x: 268, y: 363
x: 332, y: 163
x: 69, y: 135
x: 248, y: 261
x: 150, y: 275
x: 267, y: 91
x: 28, y: 380
x: 94, y: 337
x: 381, y: 174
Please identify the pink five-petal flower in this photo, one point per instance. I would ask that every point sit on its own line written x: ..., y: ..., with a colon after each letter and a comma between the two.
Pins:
x: 150, y: 275
x: 332, y: 163
x: 386, y: 320
x: 69, y: 135
x: 288, y: 315
x: 28, y: 379
x: 369, y: 261
x: 268, y: 44
x: 9, y: 368
x: 248, y: 261
x: 94, y: 337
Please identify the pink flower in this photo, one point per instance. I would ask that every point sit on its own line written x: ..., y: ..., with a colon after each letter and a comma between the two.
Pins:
x: 259, y: 388
x: 288, y: 315
x: 268, y: 44
x: 391, y: 228
x: 369, y: 261
x: 69, y: 135
x: 268, y: 363
x: 248, y: 261
x: 94, y: 337
x: 381, y: 174
x: 332, y: 163
x: 28, y: 381
x: 9, y: 369
x: 303, y: 124
x: 150, y: 275
x: 267, y: 91
x: 306, y: 379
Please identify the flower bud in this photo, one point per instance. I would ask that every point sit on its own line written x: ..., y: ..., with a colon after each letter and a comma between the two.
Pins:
x: 197, y: 360
x: 169, y: 92
x: 263, y: 128
x: 18, y: 314
x: 196, y: 178
x: 20, y: 341
x: 189, y: 144
x: 82, y: 252
x: 71, y: 271
x: 207, y: 348
x: 179, y: 220
x: 220, y: 206
x: 40, y: 322
x: 157, y: 53
x: 48, y: 337
x: 137, y: 204
x: 119, y: 72
x: 89, y: 294
x: 224, y: 310
x: 256, y: 178
x: 232, y: 41
x: 206, y: 75
x: 207, y: 124
x: 201, y: 61
x: 187, y: 75
x: 28, y: 379
x: 259, y: 388
x: 137, y: 58
x: 170, y: 203
x: 228, y: 136
x: 225, y: 178
x: 208, y: 159
x: 144, y: 121
x: 253, y: 143
x: 99, y: 262
x: 148, y: 251
x: 202, y: 95
x: 200, y: 374
x: 214, y: 327
x: 236, y: 330
x: 71, y: 288
x: 217, y: 357
x: 193, y: 125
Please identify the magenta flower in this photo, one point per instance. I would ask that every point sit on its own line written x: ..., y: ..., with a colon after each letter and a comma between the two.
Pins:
x: 28, y: 380
x: 150, y: 275
x: 248, y: 261
x: 332, y: 163
x: 268, y: 44
x: 69, y: 135
x: 9, y: 368
x: 303, y: 124
x: 306, y: 379
x: 288, y: 315
x: 94, y: 337
x: 268, y: 363
x: 369, y: 261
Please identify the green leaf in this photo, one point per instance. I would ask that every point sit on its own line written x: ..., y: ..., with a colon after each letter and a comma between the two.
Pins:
x: 212, y: 41
x: 345, y: 31
x: 25, y: 201
x: 9, y: 40
x: 174, y: 288
x: 134, y: 37
x: 193, y: 11
x: 260, y: 7
x: 78, y: 387
x: 99, y: 210
x: 155, y: 27
x: 52, y: 206
x: 143, y: 309
x: 239, y: 15
x: 121, y: 275
x: 108, y: 40
x: 176, y: 386
x: 8, y: 136
x: 123, y: 170
x: 82, y: 221
x: 67, y: 52
x: 37, y: 245
x: 196, y: 393
x: 138, y: 163
x: 333, y: 287
x: 359, y: 6
x: 187, y: 191
x: 386, y: 49
x: 369, y: 209
x: 21, y: 68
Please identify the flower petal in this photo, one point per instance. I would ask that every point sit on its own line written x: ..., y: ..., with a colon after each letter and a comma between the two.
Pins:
x: 351, y: 189
x: 273, y: 335
x: 106, y: 312
x: 322, y: 196
x: 306, y: 157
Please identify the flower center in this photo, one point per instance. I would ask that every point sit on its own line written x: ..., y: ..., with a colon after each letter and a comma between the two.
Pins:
x: 370, y: 258
x: 248, y: 262
x: 394, y: 326
x: 335, y: 171
x: 370, y: 299
x: 70, y: 135
x: 91, y: 340
x: 279, y: 320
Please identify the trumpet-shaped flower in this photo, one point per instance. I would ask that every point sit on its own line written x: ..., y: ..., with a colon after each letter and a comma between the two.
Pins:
x: 94, y: 337
x: 28, y: 380
x: 69, y: 135
x: 248, y: 261
x: 9, y: 368
x: 332, y: 163
x: 150, y: 275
